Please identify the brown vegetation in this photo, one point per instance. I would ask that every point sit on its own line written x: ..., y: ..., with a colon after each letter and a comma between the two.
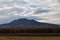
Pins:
x: 30, y: 30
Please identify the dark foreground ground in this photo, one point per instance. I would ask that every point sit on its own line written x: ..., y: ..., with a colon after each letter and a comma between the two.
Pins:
x: 34, y: 36
x: 30, y: 34
x: 29, y: 37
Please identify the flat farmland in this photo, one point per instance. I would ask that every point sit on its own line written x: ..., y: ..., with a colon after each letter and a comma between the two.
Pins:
x: 29, y: 37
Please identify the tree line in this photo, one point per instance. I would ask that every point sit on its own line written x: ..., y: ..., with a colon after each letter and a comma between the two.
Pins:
x: 32, y: 30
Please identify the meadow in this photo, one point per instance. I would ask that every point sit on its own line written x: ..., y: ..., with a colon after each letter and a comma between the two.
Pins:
x: 29, y: 37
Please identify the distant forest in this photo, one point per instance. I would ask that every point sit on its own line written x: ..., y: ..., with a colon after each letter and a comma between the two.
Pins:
x: 29, y: 30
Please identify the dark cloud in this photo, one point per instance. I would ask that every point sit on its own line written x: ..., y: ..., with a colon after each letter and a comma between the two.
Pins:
x: 41, y: 11
x: 35, y: 18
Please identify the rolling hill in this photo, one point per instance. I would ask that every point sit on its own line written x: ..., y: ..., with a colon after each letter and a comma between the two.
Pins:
x: 28, y: 23
x: 29, y: 26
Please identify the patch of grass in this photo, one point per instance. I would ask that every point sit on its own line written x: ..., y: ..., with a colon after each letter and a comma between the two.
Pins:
x: 29, y: 37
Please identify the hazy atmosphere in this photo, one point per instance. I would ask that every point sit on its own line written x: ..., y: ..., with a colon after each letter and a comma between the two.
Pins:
x: 41, y: 10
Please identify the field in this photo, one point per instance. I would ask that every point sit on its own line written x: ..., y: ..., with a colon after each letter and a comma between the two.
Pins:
x: 29, y: 37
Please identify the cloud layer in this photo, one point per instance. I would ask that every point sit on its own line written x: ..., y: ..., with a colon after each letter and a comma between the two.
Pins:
x: 40, y: 10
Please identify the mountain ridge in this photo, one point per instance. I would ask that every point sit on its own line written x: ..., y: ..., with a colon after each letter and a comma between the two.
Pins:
x: 27, y: 23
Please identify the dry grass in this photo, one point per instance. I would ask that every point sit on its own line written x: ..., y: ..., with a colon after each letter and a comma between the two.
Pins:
x: 29, y: 37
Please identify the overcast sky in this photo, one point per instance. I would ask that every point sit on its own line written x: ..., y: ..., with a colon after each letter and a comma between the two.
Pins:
x: 41, y: 10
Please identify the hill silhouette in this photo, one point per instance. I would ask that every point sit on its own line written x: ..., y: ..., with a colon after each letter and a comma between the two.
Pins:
x: 29, y: 26
x: 28, y: 23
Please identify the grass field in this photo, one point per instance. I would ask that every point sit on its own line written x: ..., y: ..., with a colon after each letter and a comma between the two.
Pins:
x: 29, y: 37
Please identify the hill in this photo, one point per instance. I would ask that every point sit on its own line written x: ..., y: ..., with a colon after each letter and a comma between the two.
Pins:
x: 29, y: 26
x: 27, y: 23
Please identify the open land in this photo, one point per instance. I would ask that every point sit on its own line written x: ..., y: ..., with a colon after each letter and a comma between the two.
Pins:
x: 29, y: 37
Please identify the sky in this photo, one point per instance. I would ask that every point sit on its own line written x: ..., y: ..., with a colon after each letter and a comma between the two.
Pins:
x: 47, y: 11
